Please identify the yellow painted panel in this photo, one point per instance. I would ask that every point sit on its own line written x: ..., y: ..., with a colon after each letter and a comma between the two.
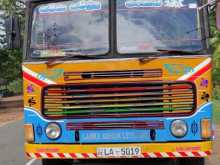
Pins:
x: 147, y: 147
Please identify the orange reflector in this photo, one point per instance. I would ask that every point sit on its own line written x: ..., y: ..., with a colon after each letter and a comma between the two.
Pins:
x: 29, y: 133
x: 206, y: 128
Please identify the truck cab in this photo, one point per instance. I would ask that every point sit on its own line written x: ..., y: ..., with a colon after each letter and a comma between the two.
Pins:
x: 107, y: 79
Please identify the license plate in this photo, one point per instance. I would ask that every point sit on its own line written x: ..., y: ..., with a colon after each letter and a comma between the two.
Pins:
x: 119, y: 152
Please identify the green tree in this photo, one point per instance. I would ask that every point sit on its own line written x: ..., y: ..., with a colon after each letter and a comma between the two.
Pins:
x: 13, y: 7
x: 10, y: 65
x: 215, y: 43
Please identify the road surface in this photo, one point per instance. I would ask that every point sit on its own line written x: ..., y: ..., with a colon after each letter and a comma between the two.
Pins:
x: 11, y: 149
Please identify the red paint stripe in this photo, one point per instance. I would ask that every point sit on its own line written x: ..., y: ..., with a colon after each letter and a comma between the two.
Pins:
x: 34, y: 80
x: 28, y: 154
x: 183, y: 154
x: 61, y: 155
x: 170, y: 154
x: 146, y: 155
x: 208, y: 152
x: 49, y: 155
x: 122, y: 89
x: 196, y: 154
x: 38, y: 155
x: 85, y: 155
x: 73, y: 155
x: 200, y: 72
x: 158, y: 154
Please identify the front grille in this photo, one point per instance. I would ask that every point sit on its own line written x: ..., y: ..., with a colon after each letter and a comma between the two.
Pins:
x: 132, y: 99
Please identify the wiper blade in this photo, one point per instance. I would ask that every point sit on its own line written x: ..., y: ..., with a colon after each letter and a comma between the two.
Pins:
x: 69, y: 55
x: 80, y: 53
x: 176, y: 52
x: 161, y: 52
x: 73, y: 54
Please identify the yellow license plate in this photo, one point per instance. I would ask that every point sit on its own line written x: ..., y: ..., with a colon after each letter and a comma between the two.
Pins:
x: 118, y: 152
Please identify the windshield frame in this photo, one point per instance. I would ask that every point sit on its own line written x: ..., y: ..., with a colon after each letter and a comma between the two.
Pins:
x: 113, y: 53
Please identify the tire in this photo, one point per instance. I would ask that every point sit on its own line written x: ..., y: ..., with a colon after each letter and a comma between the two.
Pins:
x: 171, y: 162
x: 56, y: 162
x: 192, y: 161
x: 165, y: 161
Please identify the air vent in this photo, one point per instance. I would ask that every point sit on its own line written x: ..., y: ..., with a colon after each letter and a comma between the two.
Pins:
x: 152, y: 73
x: 116, y: 125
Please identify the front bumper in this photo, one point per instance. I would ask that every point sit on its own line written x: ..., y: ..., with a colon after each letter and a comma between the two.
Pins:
x: 149, y: 150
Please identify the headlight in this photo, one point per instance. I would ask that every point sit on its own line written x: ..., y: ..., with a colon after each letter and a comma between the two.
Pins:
x: 179, y: 128
x: 53, y: 131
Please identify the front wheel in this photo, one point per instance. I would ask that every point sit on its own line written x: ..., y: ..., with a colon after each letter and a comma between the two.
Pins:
x: 193, y: 161
x: 56, y: 162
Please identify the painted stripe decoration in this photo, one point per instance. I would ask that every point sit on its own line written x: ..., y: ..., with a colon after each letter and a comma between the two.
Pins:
x: 143, y: 155
x: 35, y: 77
x: 198, y: 70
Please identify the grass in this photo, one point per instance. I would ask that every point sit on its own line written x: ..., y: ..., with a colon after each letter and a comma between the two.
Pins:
x: 216, y: 112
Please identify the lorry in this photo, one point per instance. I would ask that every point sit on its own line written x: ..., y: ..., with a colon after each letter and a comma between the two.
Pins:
x: 125, y: 79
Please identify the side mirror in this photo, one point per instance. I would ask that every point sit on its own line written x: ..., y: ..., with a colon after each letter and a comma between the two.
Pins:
x: 13, y: 35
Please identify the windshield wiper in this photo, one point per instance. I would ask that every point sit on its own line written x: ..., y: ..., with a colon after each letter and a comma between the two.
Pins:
x: 70, y: 55
x: 170, y: 52
x: 178, y: 52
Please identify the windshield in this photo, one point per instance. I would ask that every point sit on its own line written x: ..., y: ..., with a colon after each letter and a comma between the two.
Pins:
x: 81, y: 27
x: 151, y: 25
x: 70, y: 26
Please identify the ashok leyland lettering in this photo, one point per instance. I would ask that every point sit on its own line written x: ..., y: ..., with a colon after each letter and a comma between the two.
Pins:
x: 117, y: 79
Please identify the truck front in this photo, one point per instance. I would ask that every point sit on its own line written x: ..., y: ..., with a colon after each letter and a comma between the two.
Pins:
x: 110, y: 79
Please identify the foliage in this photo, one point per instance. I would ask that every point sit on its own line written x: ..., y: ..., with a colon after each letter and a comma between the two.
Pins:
x: 10, y: 66
x: 215, y: 44
x: 13, y: 7
x: 15, y: 86
x: 216, y: 116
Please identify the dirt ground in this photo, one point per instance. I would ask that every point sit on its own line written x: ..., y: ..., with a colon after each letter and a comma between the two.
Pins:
x: 10, y: 109
x: 10, y: 115
x: 13, y: 98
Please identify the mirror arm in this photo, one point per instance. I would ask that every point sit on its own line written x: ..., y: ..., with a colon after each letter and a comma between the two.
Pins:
x: 208, y: 4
